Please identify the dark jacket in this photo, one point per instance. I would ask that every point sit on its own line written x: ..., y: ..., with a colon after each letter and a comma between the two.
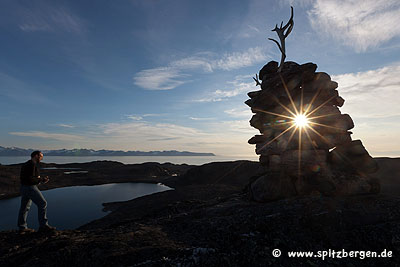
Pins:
x: 30, y: 173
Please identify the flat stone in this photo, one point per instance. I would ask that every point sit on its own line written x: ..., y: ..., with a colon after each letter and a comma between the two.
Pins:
x: 353, y: 156
x: 270, y: 68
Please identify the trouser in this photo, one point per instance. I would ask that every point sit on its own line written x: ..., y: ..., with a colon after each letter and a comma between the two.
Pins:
x: 31, y: 193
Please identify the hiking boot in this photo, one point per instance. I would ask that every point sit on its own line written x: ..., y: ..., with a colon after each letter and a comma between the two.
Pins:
x: 46, y: 228
x: 25, y: 230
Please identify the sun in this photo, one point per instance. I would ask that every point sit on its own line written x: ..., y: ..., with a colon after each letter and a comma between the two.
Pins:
x: 300, y: 121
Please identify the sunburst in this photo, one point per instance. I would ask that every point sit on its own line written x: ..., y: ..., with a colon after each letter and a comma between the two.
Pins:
x: 299, y: 119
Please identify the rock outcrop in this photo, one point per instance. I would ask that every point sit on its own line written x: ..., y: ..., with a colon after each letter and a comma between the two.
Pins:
x: 305, y: 141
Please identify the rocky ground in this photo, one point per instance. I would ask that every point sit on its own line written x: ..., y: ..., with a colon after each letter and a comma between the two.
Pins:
x: 209, y: 221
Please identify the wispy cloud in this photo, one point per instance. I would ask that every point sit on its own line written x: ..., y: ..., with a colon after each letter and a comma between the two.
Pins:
x: 200, y: 119
x: 178, y: 71
x: 134, y: 117
x: 222, y: 137
x: 372, y: 93
x: 66, y: 125
x: 372, y: 101
x: 244, y: 112
x: 361, y: 24
x: 254, y: 28
x: 240, y: 85
x: 164, y: 78
x: 152, y: 115
x: 44, y: 17
x: 238, y: 60
x: 146, y: 129
x: 45, y: 135
x: 163, y: 139
x: 139, y: 117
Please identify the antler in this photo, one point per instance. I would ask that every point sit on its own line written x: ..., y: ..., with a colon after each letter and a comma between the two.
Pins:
x: 257, y: 80
x: 282, y: 36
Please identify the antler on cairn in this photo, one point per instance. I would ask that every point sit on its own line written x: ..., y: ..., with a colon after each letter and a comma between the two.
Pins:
x: 257, y: 80
x: 282, y: 36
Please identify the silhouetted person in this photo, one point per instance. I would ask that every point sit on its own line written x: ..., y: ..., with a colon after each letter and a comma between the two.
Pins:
x: 30, y: 178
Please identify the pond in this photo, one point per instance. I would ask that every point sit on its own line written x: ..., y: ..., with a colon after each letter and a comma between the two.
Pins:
x: 71, y: 207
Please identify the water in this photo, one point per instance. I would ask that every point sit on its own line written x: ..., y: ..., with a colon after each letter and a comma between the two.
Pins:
x: 191, y: 160
x: 71, y: 207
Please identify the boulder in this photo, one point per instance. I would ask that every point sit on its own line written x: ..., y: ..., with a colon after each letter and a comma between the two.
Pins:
x: 334, y: 140
x: 274, y: 162
x: 258, y: 139
x: 272, y: 186
x: 305, y: 161
x: 268, y: 69
x: 353, y: 156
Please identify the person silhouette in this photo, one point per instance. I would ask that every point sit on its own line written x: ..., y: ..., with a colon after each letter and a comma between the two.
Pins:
x: 30, y: 178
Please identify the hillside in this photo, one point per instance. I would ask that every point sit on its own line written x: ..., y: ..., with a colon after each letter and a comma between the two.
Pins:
x: 208, y: 221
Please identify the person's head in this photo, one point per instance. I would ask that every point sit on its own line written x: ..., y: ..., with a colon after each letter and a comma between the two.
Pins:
x: 37, y: 156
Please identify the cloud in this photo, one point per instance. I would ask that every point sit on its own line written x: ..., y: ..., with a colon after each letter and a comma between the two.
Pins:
x: 240, y: 112
x: 42, y: 17
x: 195, y: 62
x: 163, y: 139
x: 177, y: 72
x: 361, y: 24
x: 201, y: 119
x: 372, y: 101
x: 65, y: 125
x: 146, y: 129
x: 139, y: 117
x: 55, y: 136
x: 238, y: 127
x: 134, y: 117
x: 222, y: 137
x: 238, y: 60
x: 254, y: 28
x: 372, y: 93
x: 164, y: 78
x: 152, y: 115
x: 302, y: 3
x: 240, y: 85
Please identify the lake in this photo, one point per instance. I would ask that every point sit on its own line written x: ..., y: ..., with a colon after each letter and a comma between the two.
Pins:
x: 71, y: 207
x: 191, y: 160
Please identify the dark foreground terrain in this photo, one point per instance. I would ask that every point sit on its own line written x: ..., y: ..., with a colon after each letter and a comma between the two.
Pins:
x: 208, y: 221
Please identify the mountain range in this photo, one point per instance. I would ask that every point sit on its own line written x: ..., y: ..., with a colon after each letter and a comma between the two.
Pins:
x: 82, y: 152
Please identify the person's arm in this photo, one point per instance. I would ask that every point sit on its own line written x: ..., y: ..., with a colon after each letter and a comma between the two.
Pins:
x: 33, y: 178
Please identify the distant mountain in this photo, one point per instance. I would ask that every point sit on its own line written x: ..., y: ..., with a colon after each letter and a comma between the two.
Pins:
x: 15, y: 151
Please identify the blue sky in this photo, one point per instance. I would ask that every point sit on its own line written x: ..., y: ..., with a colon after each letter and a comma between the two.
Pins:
x: 160, y: 75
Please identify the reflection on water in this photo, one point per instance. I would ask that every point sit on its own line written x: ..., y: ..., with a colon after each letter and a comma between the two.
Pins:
x: 71, y: 207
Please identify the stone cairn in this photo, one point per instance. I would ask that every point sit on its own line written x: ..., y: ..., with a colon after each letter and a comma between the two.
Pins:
x: 320, y: 157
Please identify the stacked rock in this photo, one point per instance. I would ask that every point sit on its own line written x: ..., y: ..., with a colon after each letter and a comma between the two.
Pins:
x: 301, y: 159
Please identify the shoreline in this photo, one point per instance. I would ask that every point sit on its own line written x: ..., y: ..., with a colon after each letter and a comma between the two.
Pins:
x: 13, y: 195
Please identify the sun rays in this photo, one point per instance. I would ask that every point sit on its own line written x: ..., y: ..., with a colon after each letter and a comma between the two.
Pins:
x: 300, y: 121
x: 300, y: 118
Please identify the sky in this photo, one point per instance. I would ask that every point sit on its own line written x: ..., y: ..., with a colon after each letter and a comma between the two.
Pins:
x: 174, y: 74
